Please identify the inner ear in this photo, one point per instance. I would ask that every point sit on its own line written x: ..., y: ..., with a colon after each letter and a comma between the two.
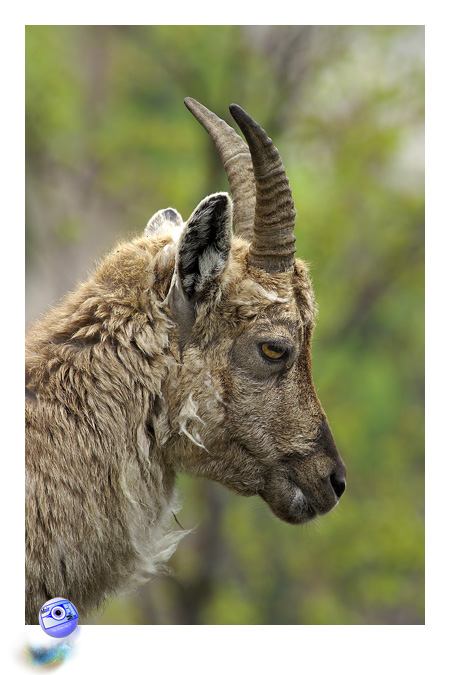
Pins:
x: 205, y: 245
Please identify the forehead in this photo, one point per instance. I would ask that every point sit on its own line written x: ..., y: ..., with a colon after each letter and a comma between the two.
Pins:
x: 286, y: 298
x: 280, y: 318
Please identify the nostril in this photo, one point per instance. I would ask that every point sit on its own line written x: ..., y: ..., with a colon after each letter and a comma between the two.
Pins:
x: 338, y: 484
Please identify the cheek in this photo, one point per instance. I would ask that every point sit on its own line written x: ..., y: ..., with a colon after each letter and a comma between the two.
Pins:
x: 254, y: 419
x: 273, y: 415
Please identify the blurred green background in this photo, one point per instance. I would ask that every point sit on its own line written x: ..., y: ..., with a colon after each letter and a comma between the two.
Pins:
x: 109, y: 142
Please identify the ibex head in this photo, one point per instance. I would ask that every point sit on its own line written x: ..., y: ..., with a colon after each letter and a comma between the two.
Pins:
x: 188, y: 349
x: 244, y: 306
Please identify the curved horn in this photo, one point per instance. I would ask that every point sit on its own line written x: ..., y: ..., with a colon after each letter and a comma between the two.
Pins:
x: 237, y: 163
x: 273, y: 244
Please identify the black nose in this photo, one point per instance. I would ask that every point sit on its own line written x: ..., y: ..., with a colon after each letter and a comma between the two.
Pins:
x: 338, y: 484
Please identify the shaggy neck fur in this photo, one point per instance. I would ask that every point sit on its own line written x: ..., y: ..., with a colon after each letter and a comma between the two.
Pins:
x: 95, y: 370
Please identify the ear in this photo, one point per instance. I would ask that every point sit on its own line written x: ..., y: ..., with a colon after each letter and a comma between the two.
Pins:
x: 203, y: 252
x: 168, y: 216
x: 205, y: 245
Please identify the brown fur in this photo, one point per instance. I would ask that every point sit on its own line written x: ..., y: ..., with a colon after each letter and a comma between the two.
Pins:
x: 114, y: 409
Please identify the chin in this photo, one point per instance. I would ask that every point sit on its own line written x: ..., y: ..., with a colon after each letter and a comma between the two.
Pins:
x: 296, y: 510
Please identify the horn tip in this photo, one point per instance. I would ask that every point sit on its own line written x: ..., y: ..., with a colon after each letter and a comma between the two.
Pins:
x: 236, y: 110
x: 242, y: 117
x: 200, y: 112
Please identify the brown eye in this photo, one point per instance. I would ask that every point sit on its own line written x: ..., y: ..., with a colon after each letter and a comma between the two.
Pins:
x: 273, y: 351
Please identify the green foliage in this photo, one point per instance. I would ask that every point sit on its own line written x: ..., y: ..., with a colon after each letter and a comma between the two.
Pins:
x: 109, y: 142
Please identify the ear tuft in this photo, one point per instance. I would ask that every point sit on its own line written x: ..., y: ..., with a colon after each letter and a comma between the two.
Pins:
x: 169, y: 217
x: 205, y: 244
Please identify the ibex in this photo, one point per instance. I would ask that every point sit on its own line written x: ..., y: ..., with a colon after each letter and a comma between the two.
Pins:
x: 187, y: 350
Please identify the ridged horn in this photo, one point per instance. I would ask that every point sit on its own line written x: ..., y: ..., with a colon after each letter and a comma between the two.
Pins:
x: 273, y: 244
x: 237, y: 163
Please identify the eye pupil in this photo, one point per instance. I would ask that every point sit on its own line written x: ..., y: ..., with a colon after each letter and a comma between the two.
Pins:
x: 273, y: 351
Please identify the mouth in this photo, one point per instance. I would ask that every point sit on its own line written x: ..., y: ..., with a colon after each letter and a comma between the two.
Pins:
x: 290, y: 504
